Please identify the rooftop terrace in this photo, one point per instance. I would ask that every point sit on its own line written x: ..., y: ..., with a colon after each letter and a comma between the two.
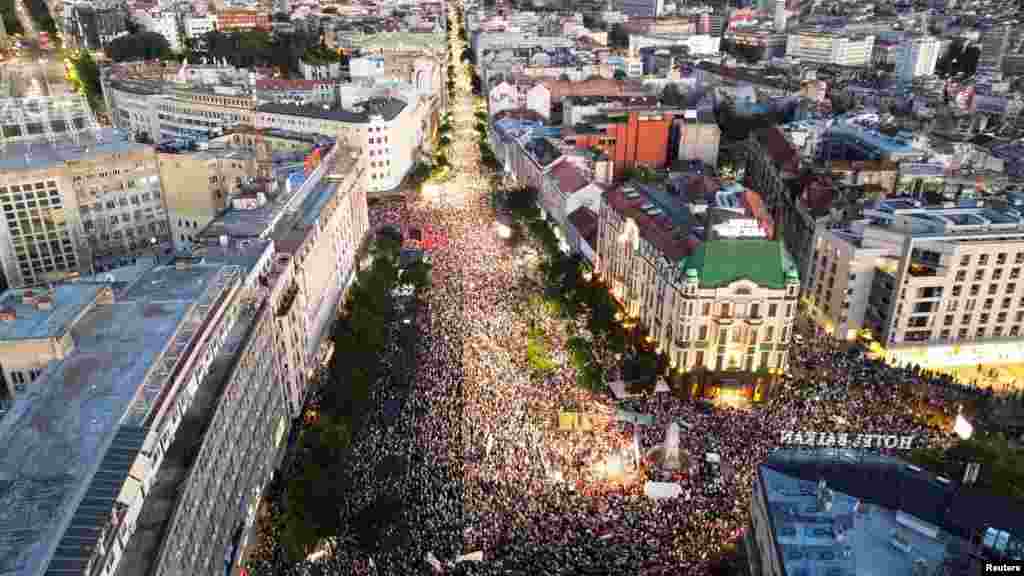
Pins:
x: 58, y: 433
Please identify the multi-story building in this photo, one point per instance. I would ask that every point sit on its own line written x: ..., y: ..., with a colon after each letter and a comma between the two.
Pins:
x: 242, y: 19
x: 166, y: 24
x: 851, y: 141
x: 699, y: 137
x: 830, y: 48
x: 631, y: 139
x: 917, y: 57
x: 199, y: 113
x: 943, y: 287
x: 197, y: 26
x: 392, y: 130
x: 720, y: 305
x: 201, y: 365
x: 94, y: 25
x: 87, y: 203
x: 885, y: 517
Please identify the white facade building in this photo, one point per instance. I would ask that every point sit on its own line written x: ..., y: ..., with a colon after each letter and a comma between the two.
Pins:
x: 196, y: 26
x: 917, y: 57
x: 166, y: 25
x: 829, y: 48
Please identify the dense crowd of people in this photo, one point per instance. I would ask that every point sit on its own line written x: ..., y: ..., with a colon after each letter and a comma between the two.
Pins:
x: 474, y: 459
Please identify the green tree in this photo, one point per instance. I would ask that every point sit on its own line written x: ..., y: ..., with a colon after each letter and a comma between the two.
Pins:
x: 85, y: 77
x: 139, y: 46
x: 10, y: 16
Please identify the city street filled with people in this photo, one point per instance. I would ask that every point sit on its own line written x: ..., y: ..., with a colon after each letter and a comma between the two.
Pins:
x: 471, y: 474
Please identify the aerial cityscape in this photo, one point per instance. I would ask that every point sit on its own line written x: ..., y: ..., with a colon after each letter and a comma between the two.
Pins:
x: 511, y: 287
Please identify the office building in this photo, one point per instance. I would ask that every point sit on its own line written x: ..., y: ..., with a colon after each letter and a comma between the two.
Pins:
x: 721, y: 305
x: 917, y: 57
x: 943, y: 289
x: 830, y: 48
x: 831, y: 511
x: 189, y: 375
x: 76, y: 198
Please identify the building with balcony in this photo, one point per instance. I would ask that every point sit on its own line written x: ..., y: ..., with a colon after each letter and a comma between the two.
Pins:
x: 720, y: 305
x: 940, y: 284
x: 188, y: 377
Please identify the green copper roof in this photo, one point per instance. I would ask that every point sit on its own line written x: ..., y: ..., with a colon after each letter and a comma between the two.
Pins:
x: 721, y: 262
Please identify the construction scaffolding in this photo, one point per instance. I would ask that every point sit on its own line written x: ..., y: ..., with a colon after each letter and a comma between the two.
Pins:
x: 50, y: 119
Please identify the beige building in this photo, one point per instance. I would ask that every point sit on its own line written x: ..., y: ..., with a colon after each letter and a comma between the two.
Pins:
x: 169, y: 397
x: 392, y: 130
x: 77, y: 207
x: 945, y: 288
x: 723, y: 305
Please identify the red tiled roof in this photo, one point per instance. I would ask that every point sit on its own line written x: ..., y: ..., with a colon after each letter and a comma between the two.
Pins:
x: 594, y: 87
x: 586, y: 224
x: 672, y: 242
x: 775, y: 144
x: 569, y: 177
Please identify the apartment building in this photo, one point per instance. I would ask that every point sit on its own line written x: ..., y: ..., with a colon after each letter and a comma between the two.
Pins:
x: 201, y: 366
x: 943, y: 290
x: 720, y: 305
x: 830, y: 48
x: 74, y: 207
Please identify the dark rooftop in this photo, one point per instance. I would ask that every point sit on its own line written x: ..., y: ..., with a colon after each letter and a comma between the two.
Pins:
x: 387, y: 107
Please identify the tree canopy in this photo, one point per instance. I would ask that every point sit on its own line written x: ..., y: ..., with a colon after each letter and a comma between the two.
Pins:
x: 139, y: 46
x: 255, y: 48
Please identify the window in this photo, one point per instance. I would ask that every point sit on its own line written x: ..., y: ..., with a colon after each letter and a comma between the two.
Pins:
x: 702, y: 334
x: 961, y: 275
x: 965, y: 260
x: 699, y: 361
x: 706, y: 309
x: 956, y: 291
x: 769, y: 333
x: 997, y: 274
x: 773, y: 310
x: 975, y: 289
x: 982, y: 259
x: 764, y: 360
x: 755, y: 310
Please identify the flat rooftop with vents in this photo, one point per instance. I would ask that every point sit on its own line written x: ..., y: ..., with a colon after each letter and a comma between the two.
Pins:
x: 69, y: 441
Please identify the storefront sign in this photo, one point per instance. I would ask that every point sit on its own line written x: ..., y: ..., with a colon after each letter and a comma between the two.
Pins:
x: 739, y: 228
x: 846, y: 440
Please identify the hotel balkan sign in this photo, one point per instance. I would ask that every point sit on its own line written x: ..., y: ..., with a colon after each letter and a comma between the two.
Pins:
x: 813, y: 439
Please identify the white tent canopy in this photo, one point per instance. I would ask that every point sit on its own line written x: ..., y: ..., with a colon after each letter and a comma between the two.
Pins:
x: 662, y: 490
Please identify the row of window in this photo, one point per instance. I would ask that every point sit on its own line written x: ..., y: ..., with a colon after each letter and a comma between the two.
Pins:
x: 727, y: 362
x: 963, y: 333
x: 1000, y: 259
x: 737, y: 334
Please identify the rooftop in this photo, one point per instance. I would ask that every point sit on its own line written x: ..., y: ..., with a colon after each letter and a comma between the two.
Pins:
x: 663, y: 221
x: 58, y: 433
x: 67, y: 302
x: 41, y: 154
x: 900, y: 498
x: 721, y: 262
x: 386, y: 107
